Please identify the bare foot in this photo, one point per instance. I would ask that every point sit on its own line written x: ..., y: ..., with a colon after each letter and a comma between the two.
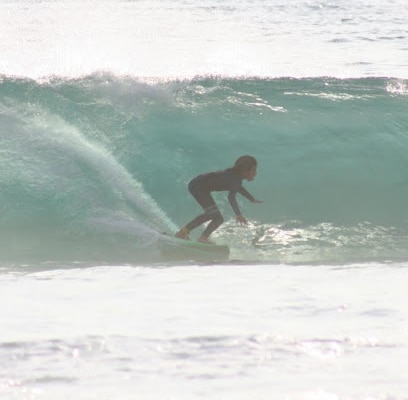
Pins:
x: 182, y: 234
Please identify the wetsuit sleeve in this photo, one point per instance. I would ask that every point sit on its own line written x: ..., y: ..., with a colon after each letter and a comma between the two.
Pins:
x: 246, y: 194
x: 232, y: 198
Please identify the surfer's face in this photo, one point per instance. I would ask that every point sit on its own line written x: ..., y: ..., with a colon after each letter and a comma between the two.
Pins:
x: 250, y: 174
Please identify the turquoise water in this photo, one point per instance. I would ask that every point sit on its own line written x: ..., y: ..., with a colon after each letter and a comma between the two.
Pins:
x: 109, y: 108
x: 103, y: 162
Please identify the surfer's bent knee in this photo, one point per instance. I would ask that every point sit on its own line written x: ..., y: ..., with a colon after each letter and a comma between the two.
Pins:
x: 216, y: 216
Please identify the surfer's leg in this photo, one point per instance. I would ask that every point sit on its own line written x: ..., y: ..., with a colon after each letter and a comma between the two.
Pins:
x: 209, y: 211
x: 216, y: 220
x: 212, y: 214
x: 207, y: 202
x: 197, y: 221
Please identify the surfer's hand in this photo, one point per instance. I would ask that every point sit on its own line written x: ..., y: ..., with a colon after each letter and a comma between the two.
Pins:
x: 257, y: 201
x: 242, y: 220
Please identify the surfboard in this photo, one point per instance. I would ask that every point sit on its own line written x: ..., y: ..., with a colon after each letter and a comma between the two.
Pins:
x: 174, y: 248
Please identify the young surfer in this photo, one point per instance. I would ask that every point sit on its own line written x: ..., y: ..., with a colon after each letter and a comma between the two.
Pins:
x: 228, y: 180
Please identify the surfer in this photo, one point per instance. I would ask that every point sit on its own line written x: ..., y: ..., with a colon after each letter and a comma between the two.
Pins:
x: 227, y: 180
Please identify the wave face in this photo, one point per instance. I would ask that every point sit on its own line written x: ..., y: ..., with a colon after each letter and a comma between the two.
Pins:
x: 94, y: 167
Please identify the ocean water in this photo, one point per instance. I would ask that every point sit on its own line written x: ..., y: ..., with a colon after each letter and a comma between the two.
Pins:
x: 109, y: 108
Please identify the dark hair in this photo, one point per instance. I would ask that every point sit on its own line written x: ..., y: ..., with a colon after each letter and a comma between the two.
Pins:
x: 244, y: 164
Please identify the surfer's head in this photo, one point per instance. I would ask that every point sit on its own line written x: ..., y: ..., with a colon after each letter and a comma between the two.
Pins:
x: 246, y: 166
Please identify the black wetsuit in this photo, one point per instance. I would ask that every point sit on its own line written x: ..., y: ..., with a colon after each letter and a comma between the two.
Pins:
x: 201, y: 188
